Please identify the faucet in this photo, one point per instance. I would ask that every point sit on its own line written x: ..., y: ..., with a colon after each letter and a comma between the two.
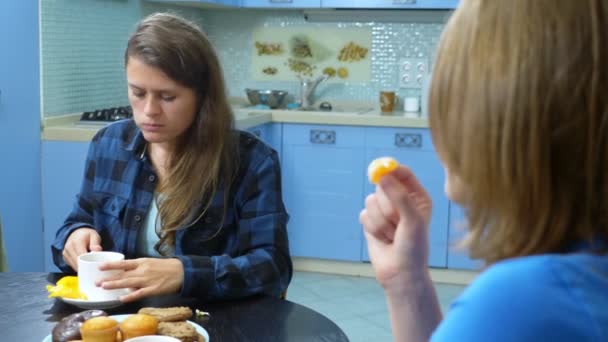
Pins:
x: 308, y: 87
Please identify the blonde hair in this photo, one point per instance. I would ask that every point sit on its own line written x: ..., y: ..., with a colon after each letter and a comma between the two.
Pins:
x: 207, y: 156
x: 518, y: 112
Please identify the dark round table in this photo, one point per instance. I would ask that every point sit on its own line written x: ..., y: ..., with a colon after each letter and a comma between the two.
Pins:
x: 26, y: 314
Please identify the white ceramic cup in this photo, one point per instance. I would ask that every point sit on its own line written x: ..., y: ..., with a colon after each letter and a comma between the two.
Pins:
x: 89, y: 273
x: 411, y: 104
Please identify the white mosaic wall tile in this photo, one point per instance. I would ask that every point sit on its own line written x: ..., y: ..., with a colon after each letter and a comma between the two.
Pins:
x: 82, y: 46
x: 231, y: 33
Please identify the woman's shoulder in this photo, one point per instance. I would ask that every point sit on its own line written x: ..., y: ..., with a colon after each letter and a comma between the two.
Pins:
x: 548, y: 269
x: 251, y: 149
x: 544, y: 296
x: 120, y: 130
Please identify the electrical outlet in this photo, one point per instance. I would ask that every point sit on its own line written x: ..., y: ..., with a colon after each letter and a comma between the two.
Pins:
x: 412, y: 72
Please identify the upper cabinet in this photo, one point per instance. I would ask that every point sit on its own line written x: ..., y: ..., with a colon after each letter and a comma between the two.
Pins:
x: 371, y: 4
x: 281, y: 3
x: 392, y: 4
x: 232, y: 3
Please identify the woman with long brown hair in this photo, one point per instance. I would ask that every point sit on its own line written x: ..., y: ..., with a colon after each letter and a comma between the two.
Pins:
x: 519, y: 117
x: 195, y: 205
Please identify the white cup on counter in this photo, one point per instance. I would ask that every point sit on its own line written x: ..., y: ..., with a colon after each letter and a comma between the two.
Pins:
x: 411, y: 104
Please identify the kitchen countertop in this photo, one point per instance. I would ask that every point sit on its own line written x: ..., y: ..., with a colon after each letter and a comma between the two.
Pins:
x: 68, y: 127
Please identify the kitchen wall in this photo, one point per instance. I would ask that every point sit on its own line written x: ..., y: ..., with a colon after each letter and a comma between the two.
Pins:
x: 231, y: 33
x: 82, y: 45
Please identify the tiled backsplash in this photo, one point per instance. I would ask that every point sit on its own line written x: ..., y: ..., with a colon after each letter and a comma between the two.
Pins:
x: 83, y: 43
x: 82, y: 49
x: 390, y: 42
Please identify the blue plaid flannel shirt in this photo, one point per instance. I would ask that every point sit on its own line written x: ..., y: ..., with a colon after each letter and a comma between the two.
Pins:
x: 248, y: 255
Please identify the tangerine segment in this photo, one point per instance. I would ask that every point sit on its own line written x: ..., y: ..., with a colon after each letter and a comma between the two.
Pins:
x: 380, y: 167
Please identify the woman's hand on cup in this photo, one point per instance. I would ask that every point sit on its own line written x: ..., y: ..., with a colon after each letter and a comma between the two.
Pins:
x: 395, y: 221
x: 145, y: 277
x: 80, y: 241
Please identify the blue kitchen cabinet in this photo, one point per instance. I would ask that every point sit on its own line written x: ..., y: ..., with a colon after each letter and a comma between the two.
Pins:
x: 323, y: 190
x: 20, y: 188
x: 281, y: 3
x: 62, y: 174
x: 458, y: 258
x: 413, y: 147
x: 392, y: 4
x: 230, y: 3
x: 270, y: 133
x: 261, y: 132
x: 275, y: 137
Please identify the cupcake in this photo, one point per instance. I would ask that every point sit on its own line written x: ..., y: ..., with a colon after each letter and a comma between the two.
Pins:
x: 99, y: 329
x: 138, y: 325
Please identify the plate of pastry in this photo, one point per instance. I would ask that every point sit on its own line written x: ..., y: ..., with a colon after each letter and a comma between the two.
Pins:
x: 171, y: 321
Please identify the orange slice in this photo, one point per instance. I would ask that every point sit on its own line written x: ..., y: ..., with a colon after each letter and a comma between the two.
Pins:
x: 380, y: 167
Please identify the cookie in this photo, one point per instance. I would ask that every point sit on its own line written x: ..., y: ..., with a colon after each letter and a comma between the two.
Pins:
x: 172, y: 314
x: 182, y: 331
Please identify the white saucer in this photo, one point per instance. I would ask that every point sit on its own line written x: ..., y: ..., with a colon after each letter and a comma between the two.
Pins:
x: 120, y: 318
x: 92, y: 305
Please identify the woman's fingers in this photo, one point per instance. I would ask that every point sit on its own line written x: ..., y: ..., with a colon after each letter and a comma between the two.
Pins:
x: 405, y: 176
x: 124, y: 265
x: 386, y: 207
x: 123, y: 283
x: 399, y: 196
x: 79, y: 242
x: 376, y: 222
x: 69, y: 259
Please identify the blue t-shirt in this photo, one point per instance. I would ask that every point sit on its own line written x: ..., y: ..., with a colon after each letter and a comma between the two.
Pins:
x: 538, y: 298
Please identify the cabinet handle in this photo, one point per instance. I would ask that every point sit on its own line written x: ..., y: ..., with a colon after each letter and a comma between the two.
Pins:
x: 319, y: 136
x: 411, y: 140
x: 257, y: 133
x: 404, y: 2
x: 281, y: 1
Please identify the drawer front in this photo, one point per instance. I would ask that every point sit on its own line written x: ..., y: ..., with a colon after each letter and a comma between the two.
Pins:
x: 323, y: 135
x: 402, y: 138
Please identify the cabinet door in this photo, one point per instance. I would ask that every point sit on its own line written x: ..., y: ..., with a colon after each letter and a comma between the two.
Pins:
x: 233, y: 3
x: 281, y: 3
x: 392, y: 4
x: 275, y: 137
x: 62, y: 175
x: 322, y: 188
x: 413, y: 147
x: 20, y: 202
x: 458, y: 258
x: 260, y: 131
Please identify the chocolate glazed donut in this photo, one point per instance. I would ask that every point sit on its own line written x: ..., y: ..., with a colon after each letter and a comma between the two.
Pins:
x: 68, y: 328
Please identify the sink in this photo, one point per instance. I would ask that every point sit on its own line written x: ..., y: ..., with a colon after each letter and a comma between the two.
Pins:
x: 338, y: 109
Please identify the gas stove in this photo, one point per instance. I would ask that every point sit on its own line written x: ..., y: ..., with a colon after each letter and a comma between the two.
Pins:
x: 107, y: 115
